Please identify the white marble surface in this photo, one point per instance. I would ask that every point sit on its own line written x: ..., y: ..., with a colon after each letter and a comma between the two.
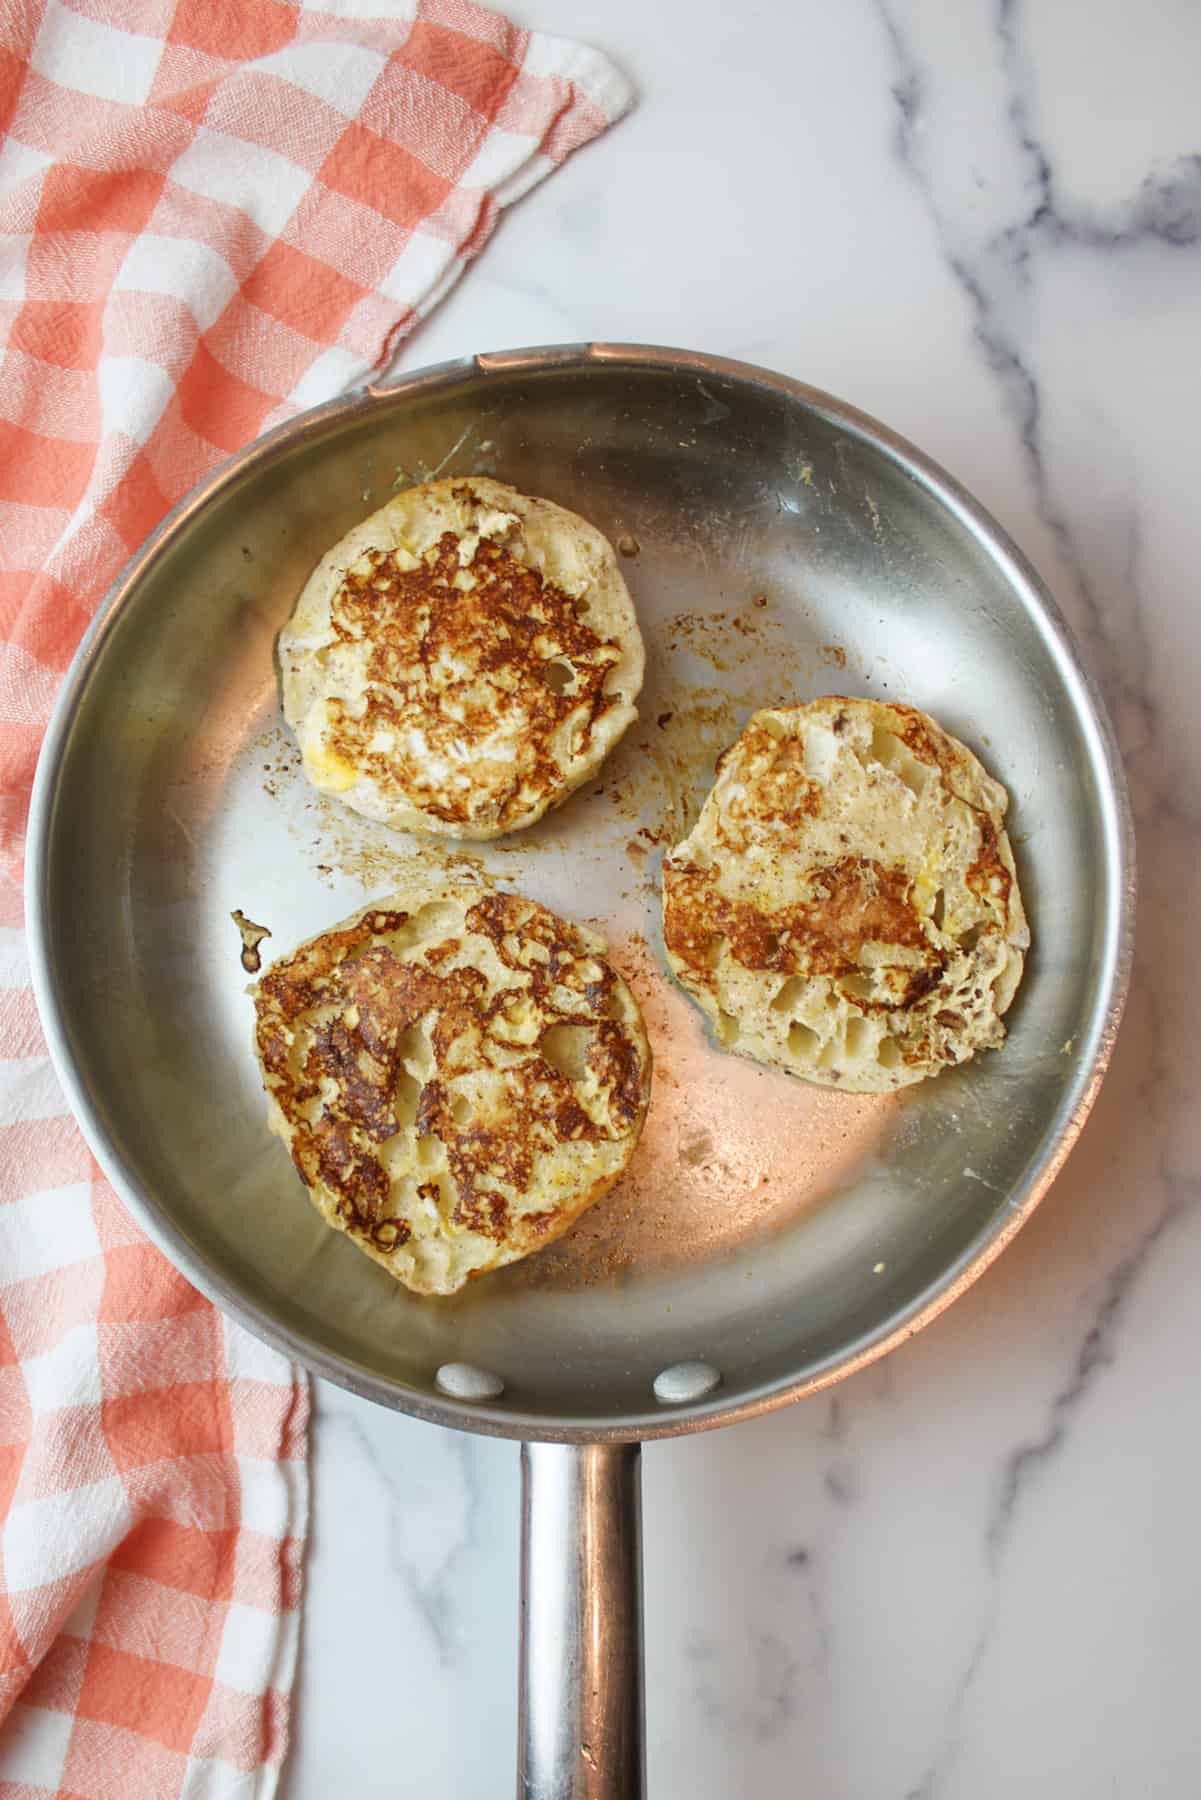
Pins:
x: 975, y: 1570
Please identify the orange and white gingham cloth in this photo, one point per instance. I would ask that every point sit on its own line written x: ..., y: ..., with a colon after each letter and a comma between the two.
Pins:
x: 212, y: 213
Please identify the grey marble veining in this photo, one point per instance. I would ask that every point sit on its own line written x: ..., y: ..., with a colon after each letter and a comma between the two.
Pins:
x: 974, y: 1570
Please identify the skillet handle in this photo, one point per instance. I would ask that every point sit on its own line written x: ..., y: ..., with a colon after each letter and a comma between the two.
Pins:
x: 580, y: 1706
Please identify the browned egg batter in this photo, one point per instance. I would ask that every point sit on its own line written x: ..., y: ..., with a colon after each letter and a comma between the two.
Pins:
x: 846, y: 905
x: 461, y: 660
x: 851, y: 903
x: 455, y: 660
x: 456, y: 1083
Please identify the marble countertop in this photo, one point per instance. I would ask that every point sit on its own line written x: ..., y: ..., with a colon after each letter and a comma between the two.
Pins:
x: 973, y: 1570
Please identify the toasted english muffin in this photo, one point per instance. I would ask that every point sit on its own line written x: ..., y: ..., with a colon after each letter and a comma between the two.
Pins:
x: 462, y: 660
x: 457, y: 1073
x: 846, y: 905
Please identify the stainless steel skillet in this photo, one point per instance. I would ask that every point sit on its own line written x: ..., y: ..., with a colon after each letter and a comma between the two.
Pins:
x: 770, y: 1238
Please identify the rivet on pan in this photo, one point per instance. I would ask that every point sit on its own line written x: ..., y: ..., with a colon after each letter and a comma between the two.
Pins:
x: 685, y: 1381
x: 463, y: 1381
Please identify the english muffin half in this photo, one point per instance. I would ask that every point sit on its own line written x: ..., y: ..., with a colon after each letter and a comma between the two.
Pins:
x: 847, y: 905
x: 462, y: 660
x: 457, y: 1073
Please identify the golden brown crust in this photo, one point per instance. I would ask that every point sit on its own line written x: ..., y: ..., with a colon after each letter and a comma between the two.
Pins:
x: 851, y: 903
x: 428, y: 1103
x: 846, y: 905
x: 462, y: 660
x: 459, y: 659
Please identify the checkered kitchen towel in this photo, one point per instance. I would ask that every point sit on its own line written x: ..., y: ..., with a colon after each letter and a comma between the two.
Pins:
x: 212, y: 213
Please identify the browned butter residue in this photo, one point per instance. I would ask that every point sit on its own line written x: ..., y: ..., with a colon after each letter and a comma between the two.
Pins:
x: 382, y: 860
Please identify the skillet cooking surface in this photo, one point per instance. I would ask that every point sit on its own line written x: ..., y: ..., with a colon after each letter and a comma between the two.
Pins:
x: 779, y: 546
